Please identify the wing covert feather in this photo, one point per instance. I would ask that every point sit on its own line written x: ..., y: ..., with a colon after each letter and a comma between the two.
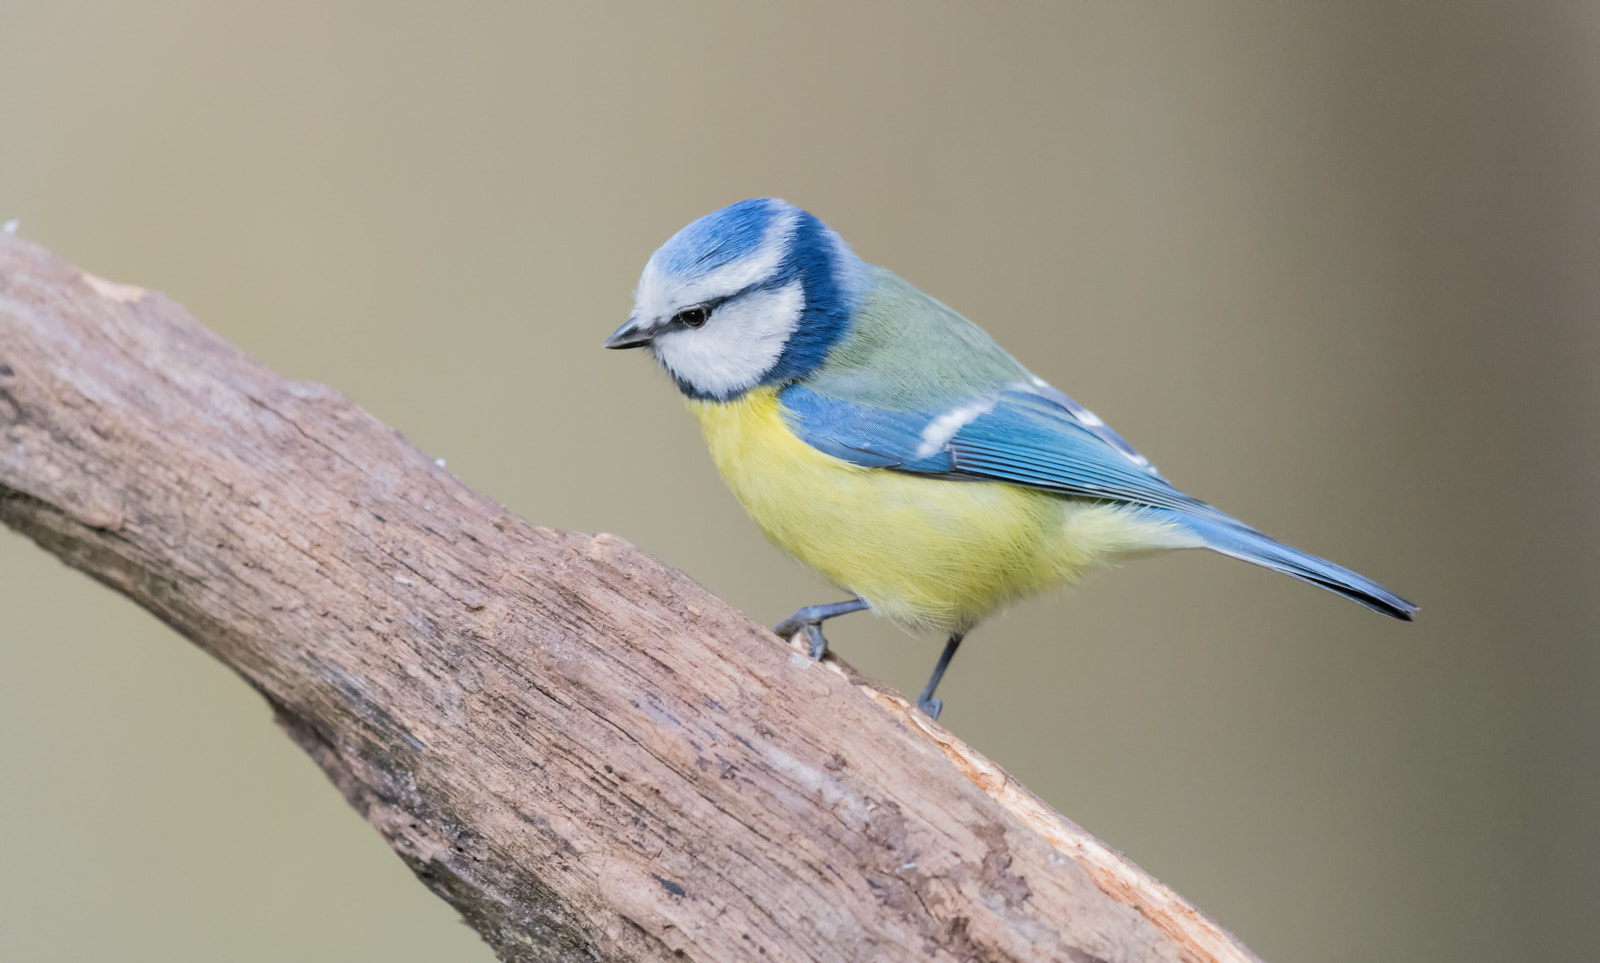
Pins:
x: 1013, y: 435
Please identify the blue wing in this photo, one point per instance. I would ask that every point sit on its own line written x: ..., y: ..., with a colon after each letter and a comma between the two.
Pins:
x: 1037, y: 437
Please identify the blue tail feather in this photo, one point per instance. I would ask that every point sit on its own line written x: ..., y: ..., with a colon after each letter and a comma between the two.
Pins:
x: 1240, y: 541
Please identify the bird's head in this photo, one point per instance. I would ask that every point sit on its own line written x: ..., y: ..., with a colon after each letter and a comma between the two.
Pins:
x: 753, y: 294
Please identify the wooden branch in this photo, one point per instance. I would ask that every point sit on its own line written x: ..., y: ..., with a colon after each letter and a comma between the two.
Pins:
x: 574, y: 744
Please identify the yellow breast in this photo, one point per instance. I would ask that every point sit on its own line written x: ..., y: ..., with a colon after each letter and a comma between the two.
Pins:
x: 925, y: 552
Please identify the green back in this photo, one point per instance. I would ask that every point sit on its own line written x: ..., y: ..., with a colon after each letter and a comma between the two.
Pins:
x: 907, y: 352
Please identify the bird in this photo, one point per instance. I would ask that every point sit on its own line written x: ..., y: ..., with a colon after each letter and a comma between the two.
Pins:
x: 893, y: 447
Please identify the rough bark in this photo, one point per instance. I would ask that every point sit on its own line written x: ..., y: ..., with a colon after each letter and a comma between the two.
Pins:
x: 581, y: 749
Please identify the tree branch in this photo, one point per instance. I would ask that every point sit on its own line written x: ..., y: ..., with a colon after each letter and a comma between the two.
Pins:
x: 581, y: 749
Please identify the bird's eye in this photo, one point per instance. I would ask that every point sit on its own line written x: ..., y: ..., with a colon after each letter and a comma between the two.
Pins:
x: 692, y: 317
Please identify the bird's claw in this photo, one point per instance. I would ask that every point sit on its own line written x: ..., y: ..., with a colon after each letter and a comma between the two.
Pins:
x: 817, y: 645
x: 786, y: 629
x: 807, y: 623
x: 809, y: 631
x: 931, y: 707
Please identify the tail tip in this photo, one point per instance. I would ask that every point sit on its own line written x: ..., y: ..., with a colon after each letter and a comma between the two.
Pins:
x: 1383, y: 601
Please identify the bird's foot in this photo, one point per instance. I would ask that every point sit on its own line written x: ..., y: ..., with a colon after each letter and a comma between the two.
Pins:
x: 807, y: 624
x: 926, y: 702
x: 818, y: 646
x: 809, y: 630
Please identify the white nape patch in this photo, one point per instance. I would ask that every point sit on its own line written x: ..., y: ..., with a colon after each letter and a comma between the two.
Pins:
x: 943, y: 428
x: 660, y: 295
x: 739, y: 344
x: 10, y: 227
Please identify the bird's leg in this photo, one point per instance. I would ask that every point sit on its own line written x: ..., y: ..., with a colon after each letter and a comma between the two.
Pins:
x: 926, y: 702
x: 808, y: 623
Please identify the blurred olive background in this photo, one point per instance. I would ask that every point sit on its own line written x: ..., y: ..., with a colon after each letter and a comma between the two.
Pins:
x: 1334, y: 267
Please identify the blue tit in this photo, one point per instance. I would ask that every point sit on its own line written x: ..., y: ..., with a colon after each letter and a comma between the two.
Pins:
x: 890, y: 445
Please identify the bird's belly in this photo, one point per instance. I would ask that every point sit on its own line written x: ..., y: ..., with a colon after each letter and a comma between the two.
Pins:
x: 925, y: 552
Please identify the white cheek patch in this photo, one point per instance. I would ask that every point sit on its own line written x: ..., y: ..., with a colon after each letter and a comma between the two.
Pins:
x: 738, y: 346
x: 943, y: 428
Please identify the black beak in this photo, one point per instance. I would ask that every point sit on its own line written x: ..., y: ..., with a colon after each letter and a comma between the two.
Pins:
x: 630, y: 335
